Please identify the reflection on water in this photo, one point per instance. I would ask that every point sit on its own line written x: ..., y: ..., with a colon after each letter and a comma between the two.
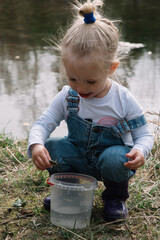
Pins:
x: 28, y: 67
x: 27, y: 86
x: 144, y: 81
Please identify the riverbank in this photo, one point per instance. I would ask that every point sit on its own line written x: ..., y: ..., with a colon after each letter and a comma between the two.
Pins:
x: 23, y: 189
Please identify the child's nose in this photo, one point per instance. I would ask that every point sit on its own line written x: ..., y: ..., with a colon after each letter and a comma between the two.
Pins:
x: 81, y: 89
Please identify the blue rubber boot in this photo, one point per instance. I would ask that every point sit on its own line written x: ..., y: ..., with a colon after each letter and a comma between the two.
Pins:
x: 114, y: 197
x: 47, y: 203
x: 115, y: 209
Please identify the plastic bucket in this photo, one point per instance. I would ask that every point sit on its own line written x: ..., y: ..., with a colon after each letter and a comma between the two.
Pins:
x: 72, y: 197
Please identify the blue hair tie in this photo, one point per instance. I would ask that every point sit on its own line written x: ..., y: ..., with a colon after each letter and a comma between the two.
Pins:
x: 89, y: 18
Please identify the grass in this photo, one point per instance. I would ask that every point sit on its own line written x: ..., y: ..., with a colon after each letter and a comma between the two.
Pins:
x: 23, y: 188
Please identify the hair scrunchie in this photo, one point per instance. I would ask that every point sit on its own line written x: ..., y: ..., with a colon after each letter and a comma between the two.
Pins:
x: 89, y: 18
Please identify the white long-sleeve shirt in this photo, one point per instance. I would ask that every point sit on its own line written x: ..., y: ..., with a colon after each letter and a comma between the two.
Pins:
x: 117, y: 105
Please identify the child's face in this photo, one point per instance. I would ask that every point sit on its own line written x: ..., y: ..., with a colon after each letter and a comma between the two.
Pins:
x: 86, y: 74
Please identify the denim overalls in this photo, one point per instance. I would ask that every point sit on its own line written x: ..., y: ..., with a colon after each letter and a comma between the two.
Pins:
x: 90, y: 148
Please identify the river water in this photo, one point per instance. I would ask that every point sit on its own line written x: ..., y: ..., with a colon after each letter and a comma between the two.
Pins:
x: 29, y: 75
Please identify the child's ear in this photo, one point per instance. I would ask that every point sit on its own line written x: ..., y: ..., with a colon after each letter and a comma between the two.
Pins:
x: 113, y: 67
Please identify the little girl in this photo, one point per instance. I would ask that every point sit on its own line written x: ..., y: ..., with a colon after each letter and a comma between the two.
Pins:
x: 108, y: 137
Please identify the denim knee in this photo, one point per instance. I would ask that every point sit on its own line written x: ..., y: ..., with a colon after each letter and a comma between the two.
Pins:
x: 111, y: 164
x: 52, y: 145
x: 56, y: 148
x: 67, y: 155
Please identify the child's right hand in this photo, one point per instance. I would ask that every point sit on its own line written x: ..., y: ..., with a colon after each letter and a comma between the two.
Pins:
x: 40, y: 156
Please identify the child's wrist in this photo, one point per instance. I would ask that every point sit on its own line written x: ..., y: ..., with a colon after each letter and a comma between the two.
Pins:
x: 34, y: 145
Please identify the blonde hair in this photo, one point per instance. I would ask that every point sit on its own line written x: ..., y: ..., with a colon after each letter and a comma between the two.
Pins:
x: 84, y: 38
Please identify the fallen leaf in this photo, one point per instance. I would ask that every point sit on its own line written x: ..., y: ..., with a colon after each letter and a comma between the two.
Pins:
x: 27, y: 212
x: 117, y: 228
x: 19, y: 202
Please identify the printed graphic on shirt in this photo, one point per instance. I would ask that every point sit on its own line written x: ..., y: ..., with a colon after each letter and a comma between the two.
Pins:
x: 107, y: 121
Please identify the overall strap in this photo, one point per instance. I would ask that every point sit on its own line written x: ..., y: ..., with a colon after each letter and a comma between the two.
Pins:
x: 73, y: 100
x: 127, y: 126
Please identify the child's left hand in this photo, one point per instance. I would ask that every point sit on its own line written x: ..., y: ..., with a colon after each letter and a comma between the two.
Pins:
x: 136, y: 159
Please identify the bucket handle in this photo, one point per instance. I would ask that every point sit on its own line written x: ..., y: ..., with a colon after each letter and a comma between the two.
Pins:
x: 49, y: 182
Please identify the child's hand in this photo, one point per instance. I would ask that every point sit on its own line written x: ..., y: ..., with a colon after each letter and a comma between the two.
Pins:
x: 136, y: 159
x: 40, y: 156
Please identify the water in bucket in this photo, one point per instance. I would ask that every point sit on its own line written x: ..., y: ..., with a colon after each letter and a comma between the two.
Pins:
x: 72, y: 199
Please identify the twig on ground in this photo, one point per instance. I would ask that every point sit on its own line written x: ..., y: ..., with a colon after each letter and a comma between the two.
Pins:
x: 12, y: 154
x: 128, y: 230
x: 73, y: 233
x: 24, y: 229
x: 108, y: 223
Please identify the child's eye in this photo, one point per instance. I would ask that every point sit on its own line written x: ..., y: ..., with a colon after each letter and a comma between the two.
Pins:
x: 91, y: 82
x: 72, y: 79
